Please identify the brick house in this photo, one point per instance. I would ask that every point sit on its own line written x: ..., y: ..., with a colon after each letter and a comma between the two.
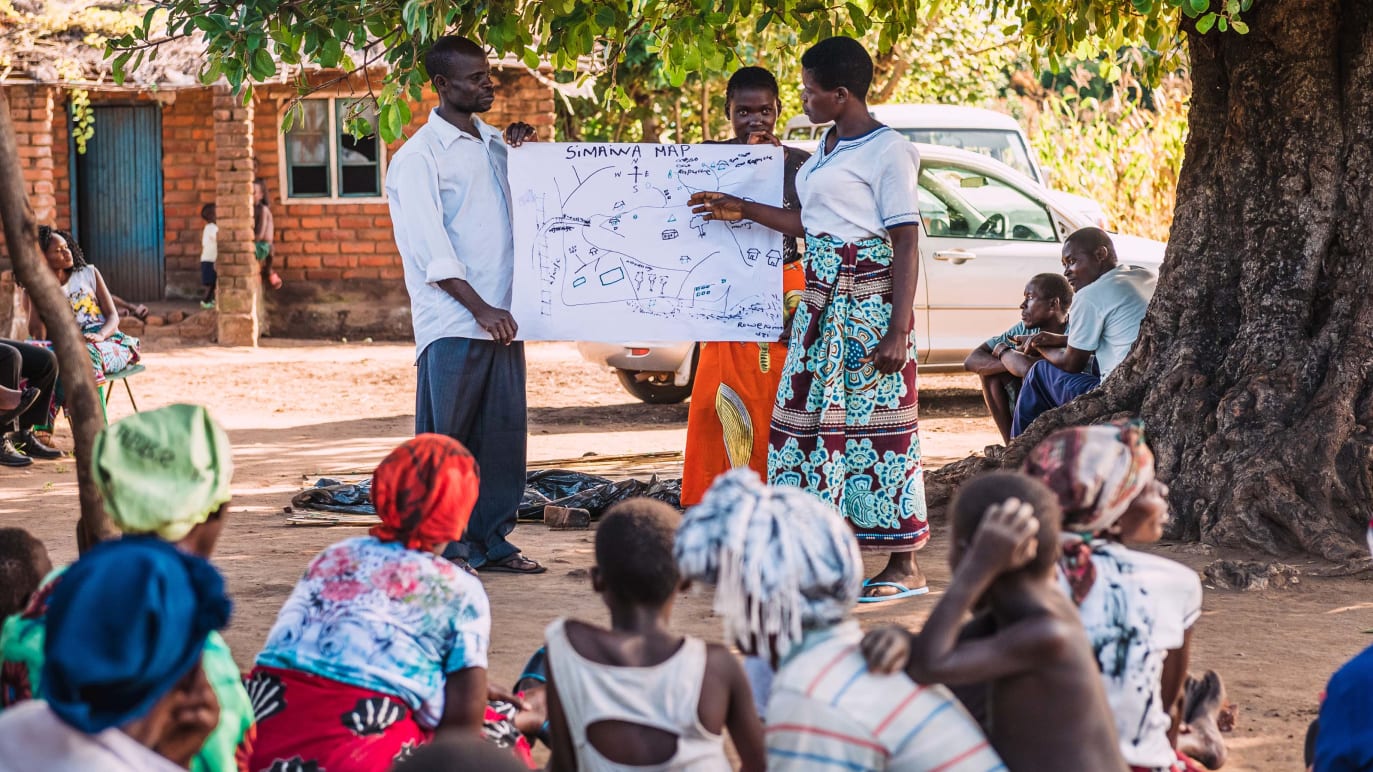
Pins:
x: 165, y: 146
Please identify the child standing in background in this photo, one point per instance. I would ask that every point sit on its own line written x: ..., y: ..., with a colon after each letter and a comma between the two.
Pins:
x: 209, y: 252
x: 264, y: 232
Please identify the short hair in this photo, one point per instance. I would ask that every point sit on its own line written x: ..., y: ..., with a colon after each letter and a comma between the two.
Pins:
x: 634, y: 551
x: 439, y: 56
x: 1054, y: 286
x: 19, y: 576
x: 1091, y: 239
x: 745, y: 78
x: 840, y: 61
x: 45, y: 234
x: 981, y: 493
x: 207, y: 211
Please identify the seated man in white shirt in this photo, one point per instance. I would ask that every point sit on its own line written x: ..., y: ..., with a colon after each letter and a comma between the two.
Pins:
x: 1108, y: 308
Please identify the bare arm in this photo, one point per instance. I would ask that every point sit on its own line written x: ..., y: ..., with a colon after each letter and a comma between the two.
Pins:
x: 1174, y: 676
x: 496, y: 321
x: 464, y: 700
x: 562, y: 757
x: 1067, y: 359
x: 726, y: 208
x: 983, y: 362
x: 107, y: 307
x: 893, y: 351
x: 745, y: 729
x: 1005, y: 541
x: 1016, y: 363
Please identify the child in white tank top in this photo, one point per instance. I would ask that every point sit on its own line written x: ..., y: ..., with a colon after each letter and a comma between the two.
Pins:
x: 637, y: 696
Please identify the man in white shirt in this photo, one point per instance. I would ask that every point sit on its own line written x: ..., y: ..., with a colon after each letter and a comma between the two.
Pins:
x: 1108, y: 308
x: 450, y: 207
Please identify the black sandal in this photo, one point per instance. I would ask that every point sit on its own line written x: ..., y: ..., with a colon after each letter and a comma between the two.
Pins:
x: 515, y: 564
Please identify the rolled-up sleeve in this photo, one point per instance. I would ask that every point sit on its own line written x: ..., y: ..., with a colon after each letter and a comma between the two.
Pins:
x: 415, y: 198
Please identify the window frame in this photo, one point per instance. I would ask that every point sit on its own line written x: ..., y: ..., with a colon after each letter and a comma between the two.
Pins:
x: 335, y: 129
x: 1040, y: 204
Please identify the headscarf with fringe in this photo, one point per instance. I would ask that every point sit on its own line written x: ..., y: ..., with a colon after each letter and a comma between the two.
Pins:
x: 782, y: 561
x: 1096, y: 472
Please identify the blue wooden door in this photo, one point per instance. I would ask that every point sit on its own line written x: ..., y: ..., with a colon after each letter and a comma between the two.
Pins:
x: 117, y: 200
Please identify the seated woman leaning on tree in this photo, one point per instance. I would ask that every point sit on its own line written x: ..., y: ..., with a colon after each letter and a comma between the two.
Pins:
x: 383, y: 641
x: 111, y: 350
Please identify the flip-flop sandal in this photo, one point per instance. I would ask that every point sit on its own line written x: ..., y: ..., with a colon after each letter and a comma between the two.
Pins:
x: 515, y: 564
x: 902, y: 591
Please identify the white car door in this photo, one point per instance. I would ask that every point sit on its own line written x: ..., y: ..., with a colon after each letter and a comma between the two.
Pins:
x: 983, y: 240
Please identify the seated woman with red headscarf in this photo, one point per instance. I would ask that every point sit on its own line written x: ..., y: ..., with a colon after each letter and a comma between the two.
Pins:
x: 383, y: 641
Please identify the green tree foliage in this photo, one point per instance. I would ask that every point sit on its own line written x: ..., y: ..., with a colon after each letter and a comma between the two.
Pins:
x: 248, y: 41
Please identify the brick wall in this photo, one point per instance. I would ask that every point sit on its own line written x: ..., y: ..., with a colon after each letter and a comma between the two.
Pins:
x: 338, y: 260
x: 31, y: 110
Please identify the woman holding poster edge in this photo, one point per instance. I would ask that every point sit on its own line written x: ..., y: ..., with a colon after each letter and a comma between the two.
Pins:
x: 844, y: 426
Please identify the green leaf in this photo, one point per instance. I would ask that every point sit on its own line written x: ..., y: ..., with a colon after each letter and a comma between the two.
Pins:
x: 605, y: 17
x: 762, y: 23
x: 211, y: 73
x: 330, y: 53
x: 391, y: 123
x: 531, y: 59
x: 1205, y: 23
x: 1245, y: 5
x: 1222, y: 23
x: 1239, y: 27
x: 263, y: 66
x: 1198, y: 7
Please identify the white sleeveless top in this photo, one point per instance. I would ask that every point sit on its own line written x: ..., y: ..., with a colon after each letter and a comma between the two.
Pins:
x: 666, y: 696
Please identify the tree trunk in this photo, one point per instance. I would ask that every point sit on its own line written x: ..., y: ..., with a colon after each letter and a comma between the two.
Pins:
x: 1252, y: 370
x: 78, y: 381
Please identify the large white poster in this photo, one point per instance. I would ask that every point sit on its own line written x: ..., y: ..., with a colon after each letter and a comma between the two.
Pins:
x: 607, y: 249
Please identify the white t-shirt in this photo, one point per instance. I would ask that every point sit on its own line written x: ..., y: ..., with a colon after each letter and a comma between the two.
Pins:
x: 209, y: 243
x: 865, y: 186
x: 32, y: 737
x: 1106, y: 314
x: 1139, y: 608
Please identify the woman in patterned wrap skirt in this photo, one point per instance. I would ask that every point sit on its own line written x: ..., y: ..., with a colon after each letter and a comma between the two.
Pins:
x: 844, y: 426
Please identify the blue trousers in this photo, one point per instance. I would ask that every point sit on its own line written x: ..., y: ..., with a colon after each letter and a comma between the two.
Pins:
x: 473, y: 391
x: 1046, y: 387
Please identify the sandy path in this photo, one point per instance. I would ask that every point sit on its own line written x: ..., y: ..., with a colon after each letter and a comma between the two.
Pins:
x: 296, y: 411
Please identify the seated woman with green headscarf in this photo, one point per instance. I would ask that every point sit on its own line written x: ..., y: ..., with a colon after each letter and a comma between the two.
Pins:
x: 162, y: 473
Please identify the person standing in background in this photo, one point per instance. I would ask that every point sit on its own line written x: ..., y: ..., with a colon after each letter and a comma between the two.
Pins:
x: 730, y: 375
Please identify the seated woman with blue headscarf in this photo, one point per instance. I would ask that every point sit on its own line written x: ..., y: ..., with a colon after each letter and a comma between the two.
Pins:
x: 124, y: 685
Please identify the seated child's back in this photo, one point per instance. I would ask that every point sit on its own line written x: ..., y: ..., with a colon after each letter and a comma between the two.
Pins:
x: 638, y: 695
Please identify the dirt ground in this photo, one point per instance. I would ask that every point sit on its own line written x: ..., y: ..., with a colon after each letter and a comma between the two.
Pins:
x: 296, y: 411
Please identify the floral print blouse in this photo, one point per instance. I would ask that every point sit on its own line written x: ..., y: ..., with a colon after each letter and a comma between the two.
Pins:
x: 380, y: 616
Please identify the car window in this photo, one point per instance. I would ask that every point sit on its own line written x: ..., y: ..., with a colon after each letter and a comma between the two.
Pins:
x: 1005, y: 146
x: 963, y: 203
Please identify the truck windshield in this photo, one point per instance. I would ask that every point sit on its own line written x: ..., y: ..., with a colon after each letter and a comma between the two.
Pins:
x: 1008, y: 147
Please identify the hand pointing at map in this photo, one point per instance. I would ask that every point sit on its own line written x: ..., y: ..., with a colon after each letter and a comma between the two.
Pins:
x: 717, y: 206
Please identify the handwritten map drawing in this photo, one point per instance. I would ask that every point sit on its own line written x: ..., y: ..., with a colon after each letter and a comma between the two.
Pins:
x: 607, y: 249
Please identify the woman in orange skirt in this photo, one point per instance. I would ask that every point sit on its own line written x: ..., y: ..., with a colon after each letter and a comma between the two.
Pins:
x: 741, y: 379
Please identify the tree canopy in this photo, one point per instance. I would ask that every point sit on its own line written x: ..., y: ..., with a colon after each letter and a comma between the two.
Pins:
x: 252, y: 41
